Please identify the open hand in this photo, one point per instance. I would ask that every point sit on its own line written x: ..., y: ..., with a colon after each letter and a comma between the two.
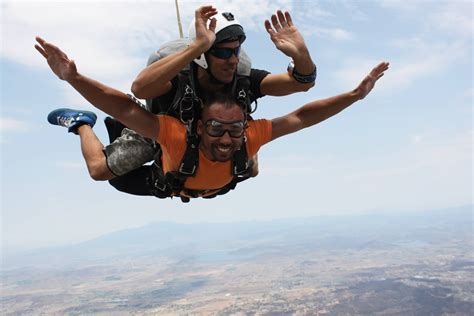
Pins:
x: 369, y: 81
x: 58, y: 61
x: 285, y: 35
x: 205, y: 35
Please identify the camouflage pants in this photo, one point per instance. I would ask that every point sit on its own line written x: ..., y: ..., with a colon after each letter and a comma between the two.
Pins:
x: 129, y: 152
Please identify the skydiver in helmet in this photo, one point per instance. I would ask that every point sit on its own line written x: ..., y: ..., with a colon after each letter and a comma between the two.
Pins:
x: 223, y: 127
x: 213, y: 57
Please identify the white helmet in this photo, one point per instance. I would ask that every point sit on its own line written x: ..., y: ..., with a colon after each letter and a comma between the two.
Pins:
x: 228, y: 29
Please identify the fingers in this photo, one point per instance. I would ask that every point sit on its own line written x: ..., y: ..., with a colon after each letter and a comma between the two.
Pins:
x: 268, y: 27
x: 39, y: 40
x: 41, y: 51
x: 212, y: 25
x: 49, y: 50
x: 40, y: 48
x: 378, y: 71
x: 275, y: 23
x: 279, y: 21
x: 288, y: 18
x: 382, y: 66
x: 205, y: 12
x: 210, y: 14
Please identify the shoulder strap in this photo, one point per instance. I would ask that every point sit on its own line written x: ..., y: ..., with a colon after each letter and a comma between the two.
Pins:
x: 188, y: 165
x: 240, y: 161
x: 243, y: 94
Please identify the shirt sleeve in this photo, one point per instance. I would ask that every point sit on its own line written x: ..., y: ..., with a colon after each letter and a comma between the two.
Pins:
x: 258, y: 134
x: 256, y: 77
x: 172, y: 133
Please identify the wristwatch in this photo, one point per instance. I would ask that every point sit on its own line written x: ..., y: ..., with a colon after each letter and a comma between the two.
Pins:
x: 299, y: 77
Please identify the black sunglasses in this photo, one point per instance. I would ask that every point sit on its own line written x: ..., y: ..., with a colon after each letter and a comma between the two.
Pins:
x: 215, y: 128
x: 224, y: 52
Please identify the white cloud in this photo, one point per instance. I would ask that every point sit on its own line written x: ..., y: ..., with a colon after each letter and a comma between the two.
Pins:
x: 309, y: 12
x: 399, y: 4
x: 428, y: 153
x: 418, y: 59
x: 335, y: 33
x: 297, y: 165
x: 416, y: 139
x: 446, y: 16
x: 101, y: 35
x: 356, y: 13
x: 455, y: 17
x: 71, y: 165
x: 441, y: 39
x: 12, y: 125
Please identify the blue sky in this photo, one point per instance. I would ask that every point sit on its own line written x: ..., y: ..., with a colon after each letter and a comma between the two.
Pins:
x: 406, y: 147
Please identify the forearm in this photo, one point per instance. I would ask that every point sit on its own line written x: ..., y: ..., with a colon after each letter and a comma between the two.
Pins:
x: 117, y: 104
x: 153, y: 80
x: 303, y: 62
x: 282, y: 84
x: 312, y: 113
x: 106, y: 99
x: 320, y: 110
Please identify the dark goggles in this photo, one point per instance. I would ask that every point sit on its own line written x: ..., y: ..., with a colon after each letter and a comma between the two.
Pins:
x: 216, y: 128
x: 224, y: 52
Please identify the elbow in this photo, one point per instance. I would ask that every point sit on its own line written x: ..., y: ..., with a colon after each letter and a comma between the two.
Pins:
x: 301, y: 87
x: 306, y: 86
x: 137, y: 90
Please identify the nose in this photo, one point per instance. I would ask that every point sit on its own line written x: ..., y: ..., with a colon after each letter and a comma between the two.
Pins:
x: 233, y: 59
x: 226, y: 139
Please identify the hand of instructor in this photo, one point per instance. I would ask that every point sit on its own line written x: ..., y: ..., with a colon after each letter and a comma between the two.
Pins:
x: 205, y: 34
x: 286, y: 37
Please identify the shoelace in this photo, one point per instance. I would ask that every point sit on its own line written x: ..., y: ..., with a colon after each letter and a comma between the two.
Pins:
x: 65, y: 120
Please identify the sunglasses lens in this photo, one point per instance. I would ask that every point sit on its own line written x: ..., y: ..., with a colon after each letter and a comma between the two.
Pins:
x: 236, y: 130
x: 217, y: 129
x: 225, y: 52
x: 236, y: 133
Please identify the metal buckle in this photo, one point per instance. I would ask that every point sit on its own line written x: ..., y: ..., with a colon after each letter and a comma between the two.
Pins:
x: 159, y: 186
x: 181, y: 170
x: 242, y: 172
x: 156, y: 183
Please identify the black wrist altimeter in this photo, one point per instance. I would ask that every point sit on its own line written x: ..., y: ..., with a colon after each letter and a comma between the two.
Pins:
x: 299, y: 77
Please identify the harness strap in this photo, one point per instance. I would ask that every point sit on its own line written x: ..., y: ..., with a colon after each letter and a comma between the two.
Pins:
x: 190, y: 161
x: 240, y: 161
x: 186, y: 105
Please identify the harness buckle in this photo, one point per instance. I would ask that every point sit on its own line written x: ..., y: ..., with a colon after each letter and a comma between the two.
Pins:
x: 159, y: 186
x: 186, y: 105
x: 159, y: 182
x: 237, y: 172
x: 187, y: 172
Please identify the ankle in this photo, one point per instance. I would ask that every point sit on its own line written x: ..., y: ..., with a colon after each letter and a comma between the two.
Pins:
x: 82, y: 127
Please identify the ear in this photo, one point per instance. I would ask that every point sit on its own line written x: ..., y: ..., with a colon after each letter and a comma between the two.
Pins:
x: 200, y: 128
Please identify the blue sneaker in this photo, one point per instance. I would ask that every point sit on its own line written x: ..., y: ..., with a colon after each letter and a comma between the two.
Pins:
x: 71, y: 119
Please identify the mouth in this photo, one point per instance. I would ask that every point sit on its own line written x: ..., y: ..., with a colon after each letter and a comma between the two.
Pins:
x: 223, y: 149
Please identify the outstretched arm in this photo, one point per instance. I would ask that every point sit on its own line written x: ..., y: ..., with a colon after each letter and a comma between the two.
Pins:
x: 317, y: 111
x: 154, y: 80
x: 289, y: 41
x: 107, y: 99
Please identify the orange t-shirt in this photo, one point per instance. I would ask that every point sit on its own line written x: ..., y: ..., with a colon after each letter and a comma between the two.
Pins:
x: 210, y: 175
